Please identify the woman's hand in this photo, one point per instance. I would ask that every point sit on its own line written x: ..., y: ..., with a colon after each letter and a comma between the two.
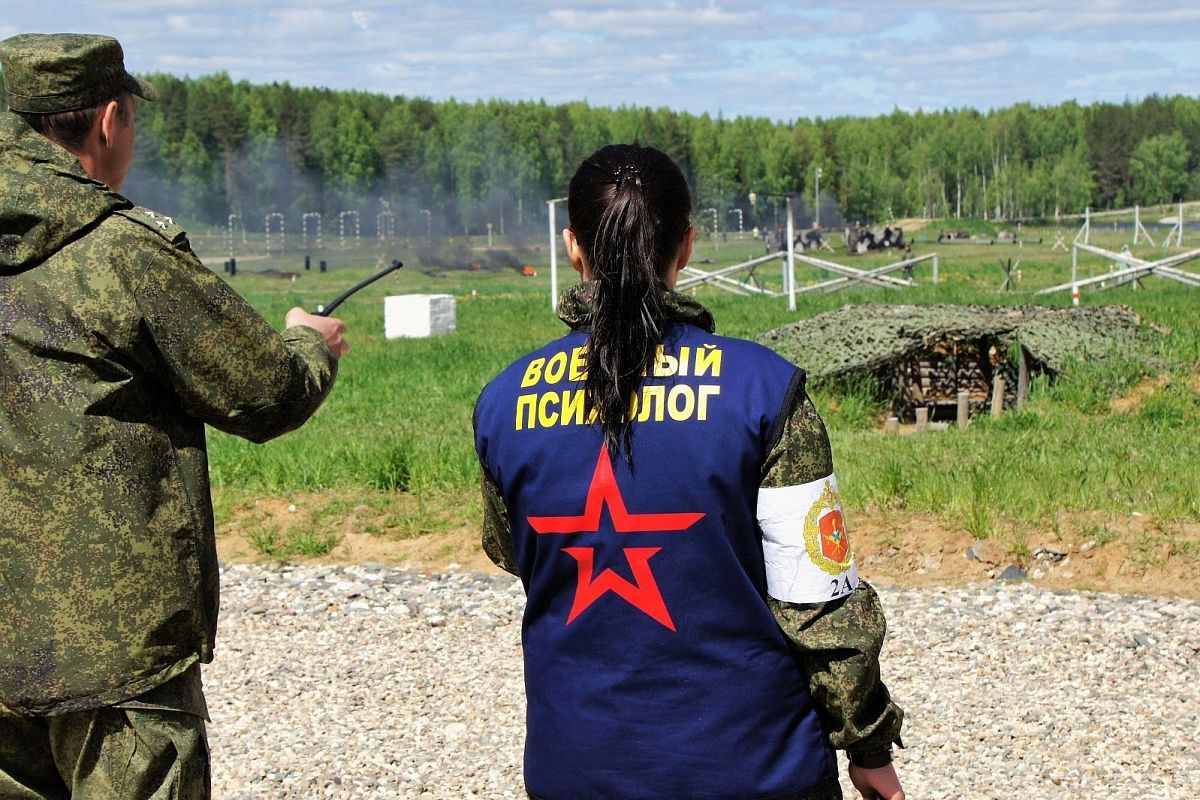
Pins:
x: 880, y: 783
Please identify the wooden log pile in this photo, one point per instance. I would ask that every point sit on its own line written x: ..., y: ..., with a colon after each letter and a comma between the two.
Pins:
x: 935, y: 376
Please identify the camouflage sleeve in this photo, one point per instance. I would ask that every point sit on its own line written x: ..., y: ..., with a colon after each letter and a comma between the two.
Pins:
x: 497, y: 534
x: 837, y: 643
x: 220, y: 357
x: 800, y: 452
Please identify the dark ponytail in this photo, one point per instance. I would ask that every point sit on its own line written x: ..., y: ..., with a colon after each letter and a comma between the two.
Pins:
x: 630, y: 210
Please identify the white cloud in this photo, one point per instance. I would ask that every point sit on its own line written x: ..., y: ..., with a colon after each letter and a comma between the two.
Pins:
x: 933, y: 55
x: 781, y: 58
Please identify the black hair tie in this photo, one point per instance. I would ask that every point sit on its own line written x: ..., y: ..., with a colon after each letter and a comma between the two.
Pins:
x: 626, y: 173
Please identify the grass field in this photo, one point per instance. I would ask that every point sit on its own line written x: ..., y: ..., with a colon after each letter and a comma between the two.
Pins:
x: 1104, y: 444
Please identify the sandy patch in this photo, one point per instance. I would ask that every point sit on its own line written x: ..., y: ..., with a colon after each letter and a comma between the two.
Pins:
x: 1127, y: 554
x: 1139, y: 394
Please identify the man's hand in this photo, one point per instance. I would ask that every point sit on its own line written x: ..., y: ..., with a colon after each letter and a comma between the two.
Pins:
x: 329, y: 327
x: 881, y: 783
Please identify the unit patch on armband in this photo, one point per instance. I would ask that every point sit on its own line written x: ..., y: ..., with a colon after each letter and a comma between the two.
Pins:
x: 805, y: 544
x: 825, y: 533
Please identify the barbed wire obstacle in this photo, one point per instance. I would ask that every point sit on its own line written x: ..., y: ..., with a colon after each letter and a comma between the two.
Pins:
x: 234, y: 222
x: 1134, y: 270
x: 1012, y: 274
x: 741, y: 221
x: 273, y: 227
x: 721, y: 278
x: 385, y: 226
x: 352, y: 216
x: 313, y: 219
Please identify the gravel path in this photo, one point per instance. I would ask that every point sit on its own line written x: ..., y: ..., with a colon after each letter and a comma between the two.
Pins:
x: 372, y: 682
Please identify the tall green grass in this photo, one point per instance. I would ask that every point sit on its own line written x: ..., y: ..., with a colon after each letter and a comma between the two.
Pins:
x: 399, y: 419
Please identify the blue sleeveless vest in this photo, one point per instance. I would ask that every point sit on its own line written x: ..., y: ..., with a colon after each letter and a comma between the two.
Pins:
x: 653, y: 666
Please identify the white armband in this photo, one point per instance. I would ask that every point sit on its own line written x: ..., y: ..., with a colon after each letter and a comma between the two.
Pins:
x: 805, y: 544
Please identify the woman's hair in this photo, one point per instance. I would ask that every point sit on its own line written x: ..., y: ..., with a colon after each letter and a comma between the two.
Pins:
x: 630, y: 210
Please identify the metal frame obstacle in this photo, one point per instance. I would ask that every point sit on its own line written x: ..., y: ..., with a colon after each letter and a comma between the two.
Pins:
x: 1139, y: 230
x: 721, y: 279
x: 1085, y: 230
x: 847, y: 276
x: 877, y: 276
x: 1140, y: 234
x: 1176, y: 231
x: 1134, y: 270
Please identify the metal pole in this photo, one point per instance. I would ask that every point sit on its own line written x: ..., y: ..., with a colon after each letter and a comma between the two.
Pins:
x: 935, y: 268
x: 553, y: 260
x: 817, y: 200
x: 791, y: 260
x: 1075, y: 275
x: 232, y: 217
x: 1137, y: 224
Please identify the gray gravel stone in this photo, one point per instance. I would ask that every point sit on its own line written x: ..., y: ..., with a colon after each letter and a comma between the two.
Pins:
x: 1012, y: 573
x: 1010, y: 690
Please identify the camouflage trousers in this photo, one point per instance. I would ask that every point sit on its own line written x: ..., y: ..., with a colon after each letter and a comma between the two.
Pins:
x: 145, y: 749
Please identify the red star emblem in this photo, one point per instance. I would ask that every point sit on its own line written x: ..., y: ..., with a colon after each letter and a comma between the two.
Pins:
x: 643, y: 593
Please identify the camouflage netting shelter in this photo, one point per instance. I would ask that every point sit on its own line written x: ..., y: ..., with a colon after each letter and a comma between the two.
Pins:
x: 923, y: 355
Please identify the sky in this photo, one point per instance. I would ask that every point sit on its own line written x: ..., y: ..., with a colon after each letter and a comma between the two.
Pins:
x: 783, y: 61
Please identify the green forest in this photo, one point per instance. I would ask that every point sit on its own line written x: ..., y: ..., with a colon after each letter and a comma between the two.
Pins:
x: 212, y: 146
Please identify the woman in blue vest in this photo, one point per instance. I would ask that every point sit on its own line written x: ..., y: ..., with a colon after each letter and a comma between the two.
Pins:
x: 695, y: 626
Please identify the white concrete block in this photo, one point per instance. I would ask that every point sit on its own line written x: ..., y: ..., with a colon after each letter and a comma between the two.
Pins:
x: 418, y: 315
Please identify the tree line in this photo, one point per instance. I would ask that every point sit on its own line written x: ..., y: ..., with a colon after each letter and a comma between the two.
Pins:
x: 211, y: 147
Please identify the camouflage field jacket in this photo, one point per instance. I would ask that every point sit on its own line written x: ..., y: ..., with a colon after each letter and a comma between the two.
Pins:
x: 837, y: 643
x: 116, y: 347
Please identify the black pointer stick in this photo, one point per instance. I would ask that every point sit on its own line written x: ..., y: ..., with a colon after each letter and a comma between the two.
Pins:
x: 342, y: 297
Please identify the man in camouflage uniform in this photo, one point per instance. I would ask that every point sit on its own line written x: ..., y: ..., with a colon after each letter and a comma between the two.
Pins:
x: 116, y: 347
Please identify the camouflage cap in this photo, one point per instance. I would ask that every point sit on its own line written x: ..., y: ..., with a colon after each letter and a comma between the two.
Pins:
x: 45, y: 73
